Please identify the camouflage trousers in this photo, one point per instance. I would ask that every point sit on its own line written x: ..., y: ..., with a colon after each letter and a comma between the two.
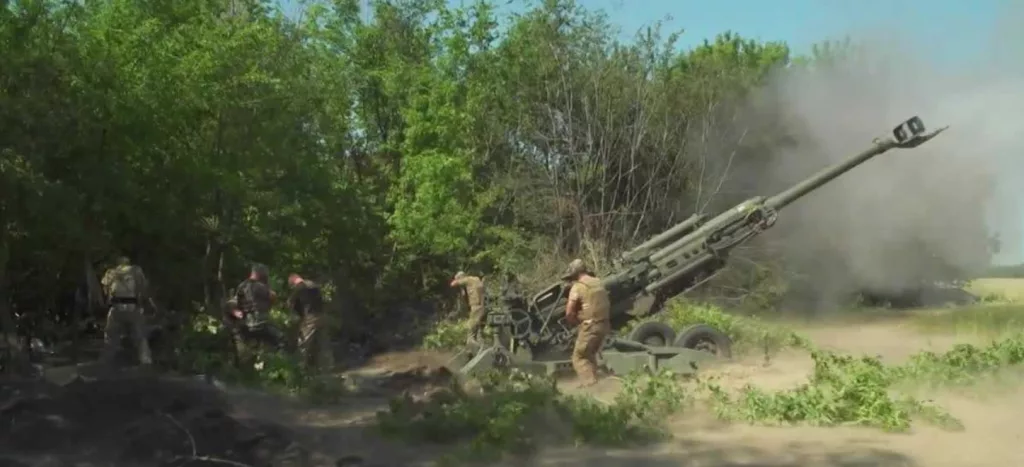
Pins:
x: 315, y: 343
x: 125, y: 319
x: 248, y: 338
x: 475, y: 324
x: 589, y: 339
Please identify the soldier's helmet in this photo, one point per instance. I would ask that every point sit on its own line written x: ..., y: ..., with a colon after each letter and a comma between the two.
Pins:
x: 123, y: 260
x: 460, y: 275
x: 576, y: 267
x: 260, y: 271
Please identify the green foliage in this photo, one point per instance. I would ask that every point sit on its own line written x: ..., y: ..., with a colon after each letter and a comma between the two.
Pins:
x: 206, y: 349
x: 382, y: 153
x: 512, y: 412
x: 637, y: 413
x: 447, y: 335
x: 963, y: 364
x: 842, y: 390
x: 747, y: 332
x: 862, y: 391
x: 375, y: 153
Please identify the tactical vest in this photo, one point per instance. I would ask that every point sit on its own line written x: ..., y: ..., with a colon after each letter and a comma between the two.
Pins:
x: 594, y: 299
x: 253, y: 297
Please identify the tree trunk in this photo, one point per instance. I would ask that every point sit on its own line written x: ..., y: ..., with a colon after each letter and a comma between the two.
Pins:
x: 17, y: 358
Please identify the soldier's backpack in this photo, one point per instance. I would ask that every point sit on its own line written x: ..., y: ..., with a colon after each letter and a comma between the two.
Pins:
x: 124, y: 283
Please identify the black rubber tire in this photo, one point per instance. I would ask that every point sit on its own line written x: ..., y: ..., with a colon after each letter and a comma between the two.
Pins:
x: 653, y: 333
x: 697, y: 334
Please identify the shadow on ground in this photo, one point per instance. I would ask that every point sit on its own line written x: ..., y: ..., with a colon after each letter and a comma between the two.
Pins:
x: 138, y: 419
x: 684, y: 453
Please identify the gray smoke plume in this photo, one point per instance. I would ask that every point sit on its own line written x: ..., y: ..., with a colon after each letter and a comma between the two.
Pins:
x: 907, y: 216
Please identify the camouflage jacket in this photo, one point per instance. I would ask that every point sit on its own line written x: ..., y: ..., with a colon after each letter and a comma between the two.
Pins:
x: 253, y: 298
x: 125, y: 281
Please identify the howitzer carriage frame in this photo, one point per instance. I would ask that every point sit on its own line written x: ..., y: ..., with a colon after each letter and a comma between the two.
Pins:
x: 532, y: 334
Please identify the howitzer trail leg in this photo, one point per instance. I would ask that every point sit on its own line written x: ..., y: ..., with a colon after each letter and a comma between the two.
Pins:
x: 492, y: 357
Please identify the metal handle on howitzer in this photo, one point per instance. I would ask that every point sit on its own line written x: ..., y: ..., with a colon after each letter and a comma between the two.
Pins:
x: 909, y: 134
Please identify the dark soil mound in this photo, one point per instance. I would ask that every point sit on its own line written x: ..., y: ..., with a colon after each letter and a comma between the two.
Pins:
x: 133, y: 420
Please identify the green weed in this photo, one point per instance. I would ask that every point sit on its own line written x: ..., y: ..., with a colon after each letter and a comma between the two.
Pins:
x: 843, y: 390
x: 962, y: 365
x: 447, y: 335
x: 206, y: 348
x: 512, y: 412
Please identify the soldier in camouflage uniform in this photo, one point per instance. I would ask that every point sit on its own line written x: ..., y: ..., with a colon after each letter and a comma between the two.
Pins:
x: 125, y: 288
x: 250, y: 308
x: 589, y: 307
x: 473, y: 288
x: 314, y: 343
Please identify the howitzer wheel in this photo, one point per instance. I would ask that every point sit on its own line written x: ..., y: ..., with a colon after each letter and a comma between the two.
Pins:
x: 706, y: 339
x: 521, y: 323
x: 653, y: 333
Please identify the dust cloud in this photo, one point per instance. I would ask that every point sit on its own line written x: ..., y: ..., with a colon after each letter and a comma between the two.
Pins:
x: 907, y: 216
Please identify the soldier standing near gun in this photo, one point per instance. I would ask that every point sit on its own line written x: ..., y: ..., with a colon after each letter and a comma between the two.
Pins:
x: 250, y: 309
x: 314, y: 343
x: 473, y: 288
x: 589, y: 307
x: 124, y: 287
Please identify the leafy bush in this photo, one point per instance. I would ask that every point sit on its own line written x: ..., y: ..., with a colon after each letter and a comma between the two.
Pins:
x: 848, y: 390
x: 511, y: 412
x: 205, y: 348
x: 963, y: 364
x: 447, y: 335
x: 842, y: 390
x: 636, y: 414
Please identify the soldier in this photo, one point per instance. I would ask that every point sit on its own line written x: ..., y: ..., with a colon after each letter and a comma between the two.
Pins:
x: 125, y: 288
x: 314, y: 340
x: 589, y: 307
x: 473, y: 288
x: 251, y: 308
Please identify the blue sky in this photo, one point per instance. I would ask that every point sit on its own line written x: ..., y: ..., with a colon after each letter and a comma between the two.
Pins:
x: 958, y: 24
x: 960, y: 27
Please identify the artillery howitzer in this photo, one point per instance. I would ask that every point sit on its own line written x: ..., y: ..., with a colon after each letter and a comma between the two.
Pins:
x: 532, y: 333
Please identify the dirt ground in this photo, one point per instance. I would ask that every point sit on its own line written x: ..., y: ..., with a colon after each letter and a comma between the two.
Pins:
x: 268, y: 430
x: 992, y: 436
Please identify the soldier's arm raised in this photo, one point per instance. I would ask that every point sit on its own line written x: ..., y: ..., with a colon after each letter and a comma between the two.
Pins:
x: 105, y: 282
x: 108, y: 278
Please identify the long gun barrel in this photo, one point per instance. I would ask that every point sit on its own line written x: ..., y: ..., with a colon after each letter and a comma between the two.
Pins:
x: 907, y: 135
x: 691, y: 252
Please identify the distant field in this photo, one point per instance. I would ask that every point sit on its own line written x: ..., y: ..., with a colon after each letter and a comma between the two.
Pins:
x: 1012, y: 289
